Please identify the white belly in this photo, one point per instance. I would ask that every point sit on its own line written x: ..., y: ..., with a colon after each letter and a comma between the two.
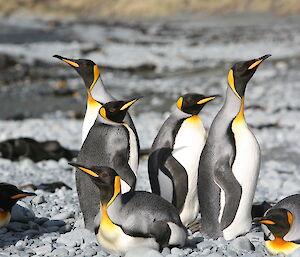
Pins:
x: 187, y: 149
x: 117, y: 242
x: 4, y: 218
x: 246, y: 170
x: 91, y: 114
x: 133, y: 160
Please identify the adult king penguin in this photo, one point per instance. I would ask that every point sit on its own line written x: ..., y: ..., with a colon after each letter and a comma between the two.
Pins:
x: 96, y: 91
x: 282, y: 223
x: 9, y: 195
x: 230, y: 162
x: 111, y: 142
x: 174, y: 156
x: 134, y: 219
x: 97, y: 95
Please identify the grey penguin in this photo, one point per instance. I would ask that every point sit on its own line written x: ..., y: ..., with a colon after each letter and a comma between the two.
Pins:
x: 230, y: 162
x: 9, y: 195
x: 282, y: 226
x: 175, y: 153
x: 110, y: 142
x: 134, y: 219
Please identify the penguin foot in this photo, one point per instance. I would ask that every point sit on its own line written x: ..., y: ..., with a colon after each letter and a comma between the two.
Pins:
x: 194, y: 226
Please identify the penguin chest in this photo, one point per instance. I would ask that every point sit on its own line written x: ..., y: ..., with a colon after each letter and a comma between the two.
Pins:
x: 4, y: 218
x: 115, y: 241
x: 187, y: 149
x: 278, y: 246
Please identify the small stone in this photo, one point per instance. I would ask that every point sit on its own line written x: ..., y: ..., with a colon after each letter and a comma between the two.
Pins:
x: 20, y: 245
x: 51, y: 223
x: 21, y: 212
x: 241, y: 243
x: 144, y: 252
x: 60, y: 252
x: 40, y: 220
x: 63, y: 215
x: 42, y: 250
x: 17, y: 226
x: 177, y: 251
x: 214, y: 255
x: 38, y: 199
x: 87, y: 251
x: 205, y: 245
x: 166, y: 251
x: 3, y: 230
x: 76, y: 237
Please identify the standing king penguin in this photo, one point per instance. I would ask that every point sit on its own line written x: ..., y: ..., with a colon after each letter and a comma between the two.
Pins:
x: 111, y: 142
x: 134, y: 219
x: 97, y: 95
x: 230, y: 162
x: 174, y: 156
x: 283, y: 226
x: 9, y: 195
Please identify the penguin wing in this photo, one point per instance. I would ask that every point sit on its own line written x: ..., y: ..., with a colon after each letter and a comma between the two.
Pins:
x: 180, y: 180
x: 226, y: 180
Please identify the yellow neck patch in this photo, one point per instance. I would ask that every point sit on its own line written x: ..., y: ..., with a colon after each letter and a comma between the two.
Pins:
x: 280, y: 246
x: 231, y: 83
x: 91, y: 101
x: 96, y: 76
x: 193, y: 119
x: 117, y: 190
x: 240, y: 117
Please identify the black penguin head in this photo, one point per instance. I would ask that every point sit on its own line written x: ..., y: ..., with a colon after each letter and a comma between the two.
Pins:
x: 105, y: 178
x: 278, y: 221
x: 87, y: 69
x: 193, y: 103
x: 10, y: 194
x: 241, y: 73
x: 116, y: 110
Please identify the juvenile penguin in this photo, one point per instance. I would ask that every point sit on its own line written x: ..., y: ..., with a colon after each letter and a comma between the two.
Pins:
x: 9, y: 195
x: 174, y: 156
x: 283, y: 224
x: 96, y: 91
x: 230, y: 162
x: 110, y: 142
x: 134, y: 219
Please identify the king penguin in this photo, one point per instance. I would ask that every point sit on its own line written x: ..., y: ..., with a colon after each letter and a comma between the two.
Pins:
x: 230, y: 162
x: 96, y: 91
x: 175, y: 153
x: 134, y: 219
x: 9, y: 195
x: 111, y: 142
x: 282, y: 223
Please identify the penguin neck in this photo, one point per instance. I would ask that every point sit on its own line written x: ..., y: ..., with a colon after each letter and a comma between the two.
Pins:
x: 180, y: 114
x: 109, y: 195
x: 233, y: 105
x: 101, y: 119
x: 99, y: 92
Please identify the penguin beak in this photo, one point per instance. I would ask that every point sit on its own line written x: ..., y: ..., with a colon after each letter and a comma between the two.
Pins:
x: 258, y: 61
x: 129, y: 103
x: 263, y: 221
x: 86, y: 170
x: 73, y: 63
x: 205, y: 100
x: 22, y: 195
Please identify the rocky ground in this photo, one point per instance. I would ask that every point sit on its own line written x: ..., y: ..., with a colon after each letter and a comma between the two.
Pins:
x: 44, y: 99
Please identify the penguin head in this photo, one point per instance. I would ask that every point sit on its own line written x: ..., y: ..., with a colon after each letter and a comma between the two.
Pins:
x: 10, y: 194
x: 241, y: 73
x: 87, y: 69
x: 105, y: 178
x: 193, y: 103
x: 278, y: 221
x: 115, y: 111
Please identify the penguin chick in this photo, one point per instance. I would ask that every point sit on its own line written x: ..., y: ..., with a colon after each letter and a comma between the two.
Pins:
x: 9, y: 195
x: 110, y: 142
x: 175, y: 153
x: 134, y: 219
x: 283, y: 221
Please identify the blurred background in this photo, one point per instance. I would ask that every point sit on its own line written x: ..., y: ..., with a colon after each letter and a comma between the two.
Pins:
x: 158, y: 49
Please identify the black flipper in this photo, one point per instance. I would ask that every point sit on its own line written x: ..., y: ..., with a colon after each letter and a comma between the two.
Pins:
x: 179, y: 177
x: 225, y: 178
